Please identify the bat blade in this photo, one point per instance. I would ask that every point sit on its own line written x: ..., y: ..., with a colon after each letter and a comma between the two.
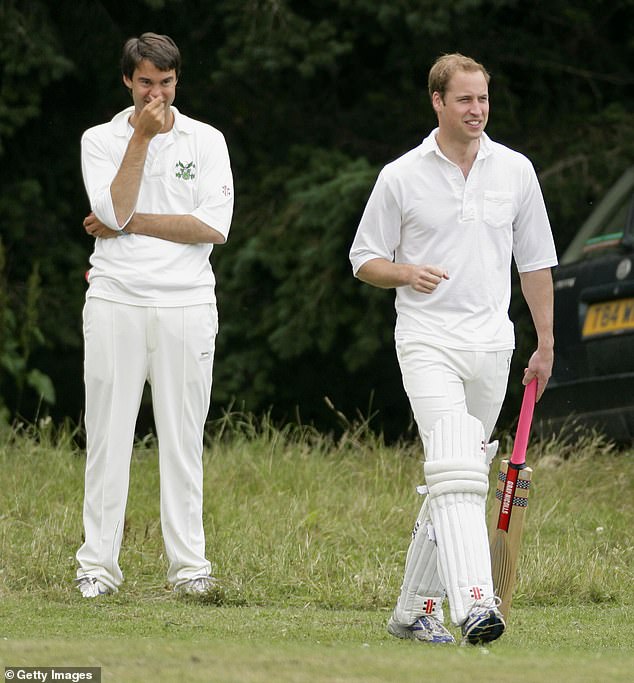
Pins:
x: 505, y: 543
x: 511, y: 501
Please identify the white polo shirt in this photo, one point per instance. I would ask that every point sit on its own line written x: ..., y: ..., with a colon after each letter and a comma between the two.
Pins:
x: 423, y: 211
x: 187, y: 171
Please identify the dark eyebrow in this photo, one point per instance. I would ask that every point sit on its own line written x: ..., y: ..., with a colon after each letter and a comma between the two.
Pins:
x: 464, y: 96
x: 147, y: 79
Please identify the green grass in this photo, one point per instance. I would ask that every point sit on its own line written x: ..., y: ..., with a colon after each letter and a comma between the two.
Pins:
x: 154, y: 640
x: 308, y: 535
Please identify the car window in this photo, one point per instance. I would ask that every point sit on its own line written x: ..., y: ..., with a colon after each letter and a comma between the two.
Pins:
x: 609, y: 234
x: 609, y: 226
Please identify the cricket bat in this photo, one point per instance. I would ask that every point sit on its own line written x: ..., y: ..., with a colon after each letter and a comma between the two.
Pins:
x: 511, y: 501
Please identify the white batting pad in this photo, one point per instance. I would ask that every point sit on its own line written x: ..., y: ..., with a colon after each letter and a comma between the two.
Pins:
x: 456, y: 473
x: 491, y: 450
x: 422, y: 591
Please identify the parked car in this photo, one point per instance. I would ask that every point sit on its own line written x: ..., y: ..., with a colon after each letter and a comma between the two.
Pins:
x: 593, y: 375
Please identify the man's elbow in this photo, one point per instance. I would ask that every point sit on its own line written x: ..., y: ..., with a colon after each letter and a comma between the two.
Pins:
x: 215, y: 237
x: 361, y: 274
x: 206, y: 233
x: 360, y: 267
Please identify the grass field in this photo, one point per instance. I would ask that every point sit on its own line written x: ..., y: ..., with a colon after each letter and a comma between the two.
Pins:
x: 308, y: 535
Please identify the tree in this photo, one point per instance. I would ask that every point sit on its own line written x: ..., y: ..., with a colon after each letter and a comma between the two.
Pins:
x: 30, y: 60
x: 313, y: 97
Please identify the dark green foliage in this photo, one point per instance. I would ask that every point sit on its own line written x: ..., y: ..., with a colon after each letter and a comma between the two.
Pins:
x: 30, y: 59
x: 19, y: 336
x: 313, y: 97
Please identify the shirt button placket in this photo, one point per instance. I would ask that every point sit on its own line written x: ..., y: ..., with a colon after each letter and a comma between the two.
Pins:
x: 468, y: 198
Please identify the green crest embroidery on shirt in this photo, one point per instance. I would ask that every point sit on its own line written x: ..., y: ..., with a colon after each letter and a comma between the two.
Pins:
x: 186, y: 171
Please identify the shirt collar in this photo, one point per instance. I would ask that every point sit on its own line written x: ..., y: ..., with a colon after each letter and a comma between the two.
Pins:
x: 120, y: 122
x: 429, y: 146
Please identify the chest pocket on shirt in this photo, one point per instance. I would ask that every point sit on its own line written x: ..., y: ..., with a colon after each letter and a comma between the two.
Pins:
x: 498, y: 209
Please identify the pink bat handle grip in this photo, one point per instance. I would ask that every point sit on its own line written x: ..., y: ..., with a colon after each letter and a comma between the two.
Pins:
x: 524, y: 424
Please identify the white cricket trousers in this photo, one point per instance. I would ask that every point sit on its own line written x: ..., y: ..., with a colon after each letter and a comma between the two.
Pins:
x: 172, y: 349
x: 439, y: 381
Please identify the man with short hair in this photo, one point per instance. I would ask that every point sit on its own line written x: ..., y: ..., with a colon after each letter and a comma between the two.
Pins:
x: 441, y: 227
x: 161, y: 193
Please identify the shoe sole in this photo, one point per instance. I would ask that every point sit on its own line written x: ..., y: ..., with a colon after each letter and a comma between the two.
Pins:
x: 407, y: 634
x: 487, y: 631
x: 188, y: 591
x: 93, y: 591
x: 400, y: 632
x: 91, y: 596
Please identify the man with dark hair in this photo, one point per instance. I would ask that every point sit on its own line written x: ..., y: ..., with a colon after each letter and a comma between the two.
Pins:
x: 159, y: 50
x: 161, y: 195
x: 441, y: 227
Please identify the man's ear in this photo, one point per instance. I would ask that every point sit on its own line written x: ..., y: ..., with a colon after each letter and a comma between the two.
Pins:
x: 436, y: 101
x: 127, y: 82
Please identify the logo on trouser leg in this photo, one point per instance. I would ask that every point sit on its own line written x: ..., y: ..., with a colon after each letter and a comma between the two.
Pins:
x: 430, y: 606
x: 476, y: 592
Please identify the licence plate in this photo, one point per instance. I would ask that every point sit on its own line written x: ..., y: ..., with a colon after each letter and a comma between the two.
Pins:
x: 609, y: 317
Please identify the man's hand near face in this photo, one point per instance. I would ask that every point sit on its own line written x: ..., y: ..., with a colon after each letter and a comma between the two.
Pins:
x: 151, y: 119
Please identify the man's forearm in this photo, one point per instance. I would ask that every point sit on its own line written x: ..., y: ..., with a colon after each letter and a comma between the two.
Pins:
x: 386, y: 274
x: 185, y: 229
x: 537, y: 288
x: 124, y: 190
x: 383, y: 273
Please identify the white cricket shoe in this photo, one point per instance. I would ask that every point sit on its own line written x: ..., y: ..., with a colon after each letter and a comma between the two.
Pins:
x: 91, y: 587
x: 427, y: 629
x: 198, y: 586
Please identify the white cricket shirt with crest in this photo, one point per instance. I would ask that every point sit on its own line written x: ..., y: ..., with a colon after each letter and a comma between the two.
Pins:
x: 187, y: 171
x: 422, y: 210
